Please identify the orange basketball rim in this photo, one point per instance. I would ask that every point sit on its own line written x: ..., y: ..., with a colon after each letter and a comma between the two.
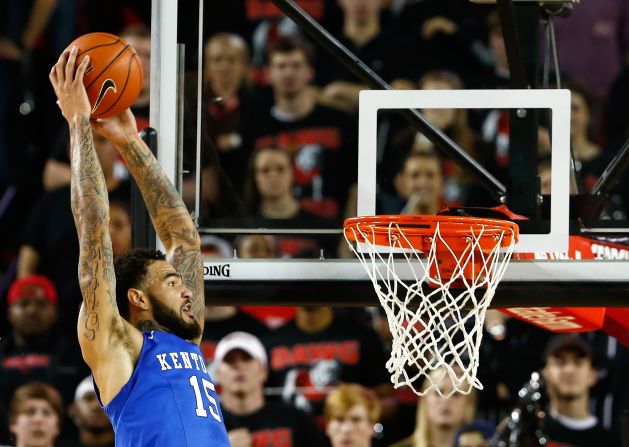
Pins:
x: 451, y: 238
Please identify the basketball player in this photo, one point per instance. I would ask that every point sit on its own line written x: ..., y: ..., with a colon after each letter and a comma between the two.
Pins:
x: 140, y: 325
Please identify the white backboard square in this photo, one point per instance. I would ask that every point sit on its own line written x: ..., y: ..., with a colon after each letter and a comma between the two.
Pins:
x: 558, y: 101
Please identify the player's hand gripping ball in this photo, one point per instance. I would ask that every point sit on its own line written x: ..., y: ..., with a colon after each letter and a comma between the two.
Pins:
x: 114, y: 76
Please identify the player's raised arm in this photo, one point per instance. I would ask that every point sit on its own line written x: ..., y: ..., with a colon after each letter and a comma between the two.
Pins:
x: 100, y: 328
x: 170, y: 217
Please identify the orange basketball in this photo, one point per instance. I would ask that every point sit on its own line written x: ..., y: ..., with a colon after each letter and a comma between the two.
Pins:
x: 113, y: 79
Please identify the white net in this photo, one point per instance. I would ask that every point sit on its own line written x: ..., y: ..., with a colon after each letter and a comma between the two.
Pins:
x: 436, y: 331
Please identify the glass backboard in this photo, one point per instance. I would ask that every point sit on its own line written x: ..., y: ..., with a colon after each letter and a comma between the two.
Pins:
x: 254, y: 258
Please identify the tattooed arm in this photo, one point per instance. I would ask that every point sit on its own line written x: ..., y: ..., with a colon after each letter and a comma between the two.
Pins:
x: 109, y: 344
x: 171, y: 219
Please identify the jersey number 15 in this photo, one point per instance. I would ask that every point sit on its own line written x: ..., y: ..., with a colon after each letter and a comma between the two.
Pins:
x: 207, y: 386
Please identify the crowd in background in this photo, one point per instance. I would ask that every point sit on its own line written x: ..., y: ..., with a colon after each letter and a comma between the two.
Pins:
x: 279, y: 150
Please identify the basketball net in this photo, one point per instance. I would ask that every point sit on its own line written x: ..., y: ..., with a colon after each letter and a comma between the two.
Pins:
x: 436, y: 329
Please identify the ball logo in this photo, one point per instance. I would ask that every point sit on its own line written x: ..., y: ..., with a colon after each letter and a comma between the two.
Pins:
x: 104, y: 88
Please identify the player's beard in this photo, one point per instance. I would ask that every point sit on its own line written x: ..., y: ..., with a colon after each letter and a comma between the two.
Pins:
x: 173, y: 322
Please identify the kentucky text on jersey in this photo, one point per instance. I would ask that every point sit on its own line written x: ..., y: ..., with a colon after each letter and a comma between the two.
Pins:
x: 179, y: 360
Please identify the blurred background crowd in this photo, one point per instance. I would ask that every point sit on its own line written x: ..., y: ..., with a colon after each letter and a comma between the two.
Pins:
x: 279, y: 150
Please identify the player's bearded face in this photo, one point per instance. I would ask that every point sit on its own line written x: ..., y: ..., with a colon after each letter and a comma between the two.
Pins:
x: 173, y: 321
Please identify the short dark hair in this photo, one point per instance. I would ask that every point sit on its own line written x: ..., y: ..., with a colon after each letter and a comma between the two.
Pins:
x: 131, y: 268
x: 36, y: 390
x: 285, y: 45
x: 568, y: 342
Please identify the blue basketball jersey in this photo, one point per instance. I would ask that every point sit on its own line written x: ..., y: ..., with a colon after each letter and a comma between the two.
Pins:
x: 170, y: 399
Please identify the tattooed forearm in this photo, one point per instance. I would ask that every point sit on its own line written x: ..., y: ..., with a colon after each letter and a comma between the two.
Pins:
x: 90, y: 209
x: 168, y: 212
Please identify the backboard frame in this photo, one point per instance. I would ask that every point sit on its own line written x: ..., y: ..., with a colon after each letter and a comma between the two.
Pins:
x: 558, y: 101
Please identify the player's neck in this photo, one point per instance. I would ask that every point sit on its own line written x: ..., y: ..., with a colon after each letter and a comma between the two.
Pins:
x: 145, y: 325
x: 576, y: 408
x: 95, y: 438
x: 361, y: 32
x: 294, y: 107
x: 281, y: 208
x: 243, y: 405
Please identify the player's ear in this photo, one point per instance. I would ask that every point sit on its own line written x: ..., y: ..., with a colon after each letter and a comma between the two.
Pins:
x: 138, y: 299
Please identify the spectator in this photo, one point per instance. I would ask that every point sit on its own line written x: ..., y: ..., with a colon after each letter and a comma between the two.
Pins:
x: 446, y: 36
x: 226, y: 101
x: 33, y: 350
x: 569, y: 375
x: 241, y: 370
x: 256, y: 246
x: 31, y: 33
x: 508, y: 344
x: 474, y: 434
x: 222, y: 320
x: 266, y: 24
x: 269, y: 186
x: 363, y: 35
x: 439, y: 418
x: 316, y: 136
x: 36, y: 415
x: 88, y: 416
x: 458, y: 186
x: 43, y: 243
x: 269, y: 196
x: 419, y: 185
x: 321, y: 348
x: 227, y: 76
x: 139, y: 37
x: 119, y: 226
x: 498, y: 74
x: 351, y: 412
x: 589, y: 159
x: 610, y: 395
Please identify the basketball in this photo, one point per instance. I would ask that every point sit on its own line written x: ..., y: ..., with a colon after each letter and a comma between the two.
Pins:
x: 113, y: 79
